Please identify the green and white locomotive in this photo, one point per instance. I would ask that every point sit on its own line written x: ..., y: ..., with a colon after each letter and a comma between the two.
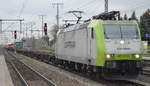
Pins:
x: 111, y: 48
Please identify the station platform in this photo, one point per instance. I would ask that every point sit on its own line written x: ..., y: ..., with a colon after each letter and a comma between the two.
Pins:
x: 146, y: 58
x: 5, y: 78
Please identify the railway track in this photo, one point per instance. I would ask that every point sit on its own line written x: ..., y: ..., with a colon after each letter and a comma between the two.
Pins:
x: 101, y: 81
x: 27, y: 75
x: 137, y: 83
x: 111, y: 82
x: 108, y: 82
x: 146, y: 72
x: 146, y: 63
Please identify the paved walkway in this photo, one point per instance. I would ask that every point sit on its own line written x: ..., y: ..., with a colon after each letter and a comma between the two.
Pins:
x: 146, y: 58
x: 5, y: 79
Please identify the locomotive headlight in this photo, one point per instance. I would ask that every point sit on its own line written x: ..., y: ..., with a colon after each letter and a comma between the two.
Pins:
x: 122, y: 42
x: 108, y: 56
x: 137, y: 56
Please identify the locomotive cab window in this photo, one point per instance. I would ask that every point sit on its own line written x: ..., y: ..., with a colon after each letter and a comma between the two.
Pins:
x: 115, y: 31
x: 129, y: 31
x: 112, y: 31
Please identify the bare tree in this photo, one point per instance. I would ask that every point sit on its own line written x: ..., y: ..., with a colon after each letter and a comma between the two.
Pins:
x: 133, y: 16
x: 53, y: 32
x: 125, y: 17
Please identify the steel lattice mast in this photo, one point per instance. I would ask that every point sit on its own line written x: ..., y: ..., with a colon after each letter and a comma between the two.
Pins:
x: 106, y: 6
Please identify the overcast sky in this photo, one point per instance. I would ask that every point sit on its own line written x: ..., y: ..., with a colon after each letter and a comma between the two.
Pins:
x: 31, y: 9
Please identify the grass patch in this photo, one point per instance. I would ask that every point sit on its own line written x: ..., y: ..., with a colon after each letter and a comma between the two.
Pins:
x: 148, y: 48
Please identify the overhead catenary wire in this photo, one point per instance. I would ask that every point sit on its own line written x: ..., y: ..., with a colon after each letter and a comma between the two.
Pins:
x: 20, y: 12
x: 80, y: 7
x: 90, y: 6
x: 23, y: 7
x: 84, y: 7
x: 86, y: 4
x: 131, y: 8
x: 138, y: 9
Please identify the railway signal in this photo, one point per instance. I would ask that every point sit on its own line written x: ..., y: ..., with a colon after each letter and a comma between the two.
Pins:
x: 45, y: 29
x: 148, y: 14
x: 15, y: 34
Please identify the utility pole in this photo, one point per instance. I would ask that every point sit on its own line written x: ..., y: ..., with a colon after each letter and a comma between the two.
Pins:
x: 26, y: 31
x: 42, y: 17
x: 31, y: 24
x: 31, y: 30
x: 106, y: 6
x: 20, y: 26
x: 24, y: 27
x: 57, y: 16
x: 1, y: 26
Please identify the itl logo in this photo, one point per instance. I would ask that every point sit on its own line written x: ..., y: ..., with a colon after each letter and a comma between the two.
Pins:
x: 69, y: 44
x: 123, y: 48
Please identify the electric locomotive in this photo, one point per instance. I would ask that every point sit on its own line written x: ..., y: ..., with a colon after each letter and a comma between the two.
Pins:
x: 104, y: 45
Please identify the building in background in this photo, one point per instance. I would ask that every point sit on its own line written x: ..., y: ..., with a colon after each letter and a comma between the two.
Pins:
x: 145, y: 26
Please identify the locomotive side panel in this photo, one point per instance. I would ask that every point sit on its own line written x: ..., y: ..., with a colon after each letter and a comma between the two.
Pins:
x: 59, y: 44
x: 74, y: 46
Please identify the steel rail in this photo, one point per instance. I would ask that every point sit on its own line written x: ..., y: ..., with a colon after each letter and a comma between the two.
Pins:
x: 134, y: 82
x: 36, y: 72
x: 139, y: 83
x: 18, y: 73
